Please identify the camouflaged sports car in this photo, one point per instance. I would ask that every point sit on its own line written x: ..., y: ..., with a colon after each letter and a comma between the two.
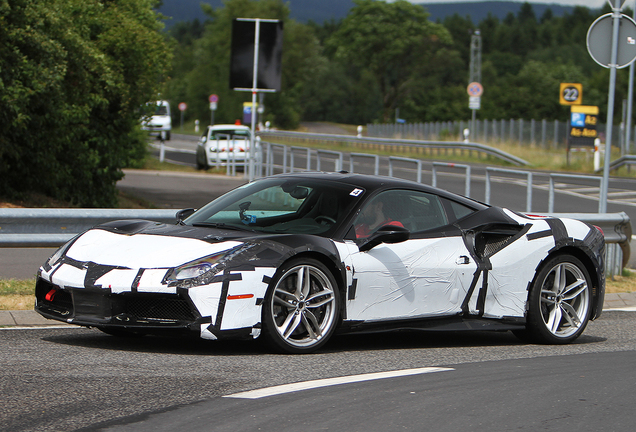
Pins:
x: 294, y: 258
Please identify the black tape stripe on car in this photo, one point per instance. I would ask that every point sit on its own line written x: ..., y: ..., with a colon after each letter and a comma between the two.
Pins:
x: 539, y: 234
x: 225, y: 287
x: 559, y: 231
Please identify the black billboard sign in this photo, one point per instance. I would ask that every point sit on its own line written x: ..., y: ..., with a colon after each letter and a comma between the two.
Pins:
x: 269, y: 54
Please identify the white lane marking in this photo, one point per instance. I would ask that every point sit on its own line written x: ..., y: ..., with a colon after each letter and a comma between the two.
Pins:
x: 623, y: 309
x: 306, y: 385
x: 42, y: 327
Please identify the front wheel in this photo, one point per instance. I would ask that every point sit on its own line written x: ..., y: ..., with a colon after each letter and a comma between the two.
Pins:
x: 560, y: 300
x: 301, y: 307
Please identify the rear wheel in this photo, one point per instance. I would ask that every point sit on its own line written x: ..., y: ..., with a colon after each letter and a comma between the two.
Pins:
x: 560, y: 300
x: 301, y: 307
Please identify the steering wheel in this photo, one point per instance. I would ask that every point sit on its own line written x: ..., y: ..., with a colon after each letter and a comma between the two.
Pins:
x: 325, y: 219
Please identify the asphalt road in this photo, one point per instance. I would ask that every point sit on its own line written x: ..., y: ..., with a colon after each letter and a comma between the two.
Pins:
x: 80, y: 379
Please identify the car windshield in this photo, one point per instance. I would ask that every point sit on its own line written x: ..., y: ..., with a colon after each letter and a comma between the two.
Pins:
x: 233, y: 133
x: 161, y: 110
x: 282, y: 205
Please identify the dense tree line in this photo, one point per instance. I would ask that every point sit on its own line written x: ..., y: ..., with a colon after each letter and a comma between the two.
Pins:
x: 388, y: 56
x: 73, y: 76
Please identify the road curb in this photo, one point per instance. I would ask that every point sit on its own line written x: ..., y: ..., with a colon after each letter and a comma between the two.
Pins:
x: 30, y: 318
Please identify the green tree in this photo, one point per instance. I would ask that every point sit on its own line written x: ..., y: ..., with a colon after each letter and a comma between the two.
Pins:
x: 389, y: 40
x: 73, y: 74
x: 207, y: 69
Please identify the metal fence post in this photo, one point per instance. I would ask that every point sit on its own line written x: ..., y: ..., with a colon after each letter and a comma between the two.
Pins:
x: 529, y: 194
x: 434, y: 173
x: 532, y: 126
x: 467, y: 187
x: 487, y: 198
x: 544, y: 129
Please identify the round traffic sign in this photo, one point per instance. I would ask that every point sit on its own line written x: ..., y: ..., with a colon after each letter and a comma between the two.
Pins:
x: 570, y: 94
x: 183, y: 106
x: 213, y: 98
x: 599, y: 40
x: 475, y: 89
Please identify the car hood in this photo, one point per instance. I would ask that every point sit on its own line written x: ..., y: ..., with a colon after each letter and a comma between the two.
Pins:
x: 144, y: 244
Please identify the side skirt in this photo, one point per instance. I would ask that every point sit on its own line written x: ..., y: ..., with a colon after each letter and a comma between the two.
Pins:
x: 455, y: 323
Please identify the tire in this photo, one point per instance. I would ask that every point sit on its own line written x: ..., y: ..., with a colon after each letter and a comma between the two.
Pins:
x: 559, y: 302
x: 200, y: 156
x: 301, y: 308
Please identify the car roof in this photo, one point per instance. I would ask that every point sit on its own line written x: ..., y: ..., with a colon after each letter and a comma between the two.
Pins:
x: 228, y: 126
x: 373, y: 183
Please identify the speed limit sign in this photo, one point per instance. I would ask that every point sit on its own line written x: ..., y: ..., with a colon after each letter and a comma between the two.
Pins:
x: 571, y: 94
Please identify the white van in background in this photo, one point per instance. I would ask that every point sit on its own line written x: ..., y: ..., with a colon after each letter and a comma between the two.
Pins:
x: 160, y: 123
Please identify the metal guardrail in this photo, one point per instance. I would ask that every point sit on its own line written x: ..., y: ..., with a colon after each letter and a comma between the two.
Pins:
x: 622, y: 161
x: 617, y: 230
x: 528, y: 175
x: 53, y: 227
x: 466, y: 169
x: 417, y: 162
x: 457, y: 145
x: 571, y: 177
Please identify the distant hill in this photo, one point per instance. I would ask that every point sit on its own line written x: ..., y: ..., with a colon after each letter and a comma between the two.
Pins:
x: 477, y: 11
x: 324, y: 10
x: 301, y: 10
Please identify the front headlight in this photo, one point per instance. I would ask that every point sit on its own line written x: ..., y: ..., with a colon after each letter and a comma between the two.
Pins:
x: 192, y: 271
x: 195, y: 273
x: 202, y: 271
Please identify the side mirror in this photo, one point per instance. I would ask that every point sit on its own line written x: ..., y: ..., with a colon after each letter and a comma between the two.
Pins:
x: 385, y: 234
x: 184, y: 214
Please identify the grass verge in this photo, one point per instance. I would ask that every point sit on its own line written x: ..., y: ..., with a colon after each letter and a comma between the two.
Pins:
x: 17, y: 294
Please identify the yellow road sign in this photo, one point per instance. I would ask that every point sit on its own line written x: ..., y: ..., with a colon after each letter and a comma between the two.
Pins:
x: 571, y: 94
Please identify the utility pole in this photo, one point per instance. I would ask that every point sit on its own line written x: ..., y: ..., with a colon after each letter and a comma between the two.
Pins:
x: 475, y: 72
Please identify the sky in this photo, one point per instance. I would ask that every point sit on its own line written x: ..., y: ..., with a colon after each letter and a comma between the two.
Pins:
x: 589, y: 3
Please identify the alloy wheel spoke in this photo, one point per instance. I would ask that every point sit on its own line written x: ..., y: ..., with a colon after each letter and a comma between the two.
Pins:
x: 548, y: 297
x: 559, y: 279
x: 554, y: 319
x: 282, y: 302
x: 311, y: 303
x: 311, y: 325
x: 306, y: 283
x: 290, y: 325
x: 574, y: 290
x: 300, y: 281
x: 570, y: 314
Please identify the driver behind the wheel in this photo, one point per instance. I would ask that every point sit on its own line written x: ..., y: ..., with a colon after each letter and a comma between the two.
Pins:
x: 372, y: 217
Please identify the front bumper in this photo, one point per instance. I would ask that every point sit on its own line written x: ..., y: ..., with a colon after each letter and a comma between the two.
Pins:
x: 151, y: 313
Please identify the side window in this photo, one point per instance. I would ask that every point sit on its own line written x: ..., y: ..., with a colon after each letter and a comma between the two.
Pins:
x: 413, y: 210
x: 458, y: 210
x: 426, y: 212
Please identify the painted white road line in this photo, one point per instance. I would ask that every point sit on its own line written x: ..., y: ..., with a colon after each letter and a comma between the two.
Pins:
x: 307, y: 385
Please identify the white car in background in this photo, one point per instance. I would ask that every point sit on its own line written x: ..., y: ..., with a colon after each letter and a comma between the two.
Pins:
x: 220, y: 144
x: 159, y: 123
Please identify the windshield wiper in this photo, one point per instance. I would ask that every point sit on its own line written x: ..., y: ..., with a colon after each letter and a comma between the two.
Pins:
x: 221, y: 225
